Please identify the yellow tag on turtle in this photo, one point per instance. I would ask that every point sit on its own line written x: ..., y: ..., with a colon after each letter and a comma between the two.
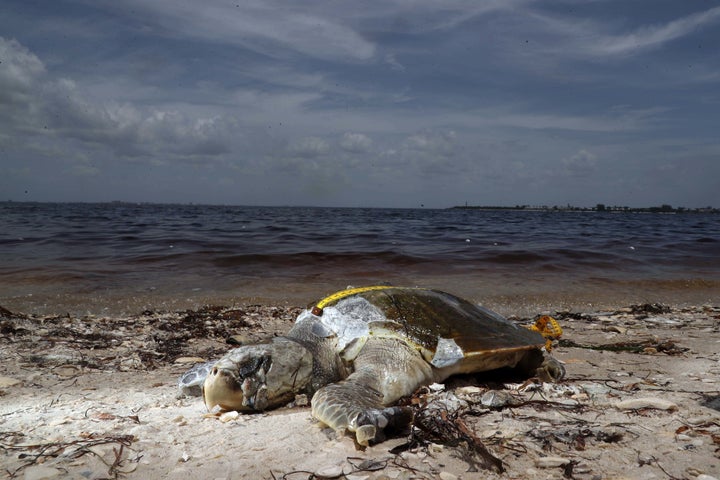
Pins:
x: 318, y: 309
x: 549, y: 328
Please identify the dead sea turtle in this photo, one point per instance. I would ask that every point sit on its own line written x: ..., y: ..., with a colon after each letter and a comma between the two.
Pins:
x: 360, y: 350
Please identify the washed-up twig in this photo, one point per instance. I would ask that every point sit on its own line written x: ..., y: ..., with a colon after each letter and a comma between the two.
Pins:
x: 55, y: 449
x: 358, y: 465
x: 366, y: 465
x: 448, y: 429
x: 400, y: 462
x: 479, y: 447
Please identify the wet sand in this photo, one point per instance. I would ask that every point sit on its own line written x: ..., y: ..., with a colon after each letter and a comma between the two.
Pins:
x: 93, y: 397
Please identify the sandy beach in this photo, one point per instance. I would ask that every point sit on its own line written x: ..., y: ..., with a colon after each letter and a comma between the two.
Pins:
x: 96, y: 397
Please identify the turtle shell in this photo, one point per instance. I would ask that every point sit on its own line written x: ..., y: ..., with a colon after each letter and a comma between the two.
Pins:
x: 445, y: 328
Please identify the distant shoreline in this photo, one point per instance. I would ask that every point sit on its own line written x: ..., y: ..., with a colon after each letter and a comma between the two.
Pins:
x: 525, y: 208
x: 667, y: 209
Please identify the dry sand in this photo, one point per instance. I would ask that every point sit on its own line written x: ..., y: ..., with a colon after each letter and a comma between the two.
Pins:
x: 93, y: 398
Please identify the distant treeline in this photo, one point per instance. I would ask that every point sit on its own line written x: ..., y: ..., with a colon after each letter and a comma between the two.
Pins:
x: 598, y: 208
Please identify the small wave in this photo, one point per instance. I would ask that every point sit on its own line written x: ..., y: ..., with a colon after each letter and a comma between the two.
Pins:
x: 517, y: 257
x: 318, y: 259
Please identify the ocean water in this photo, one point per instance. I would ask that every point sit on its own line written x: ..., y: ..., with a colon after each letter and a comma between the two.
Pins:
x: 124, y: 258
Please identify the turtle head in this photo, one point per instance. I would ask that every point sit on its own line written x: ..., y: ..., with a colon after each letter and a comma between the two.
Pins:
x: 258, y: 377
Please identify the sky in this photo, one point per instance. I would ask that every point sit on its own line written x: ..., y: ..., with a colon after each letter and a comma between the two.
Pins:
x: 390, y: 103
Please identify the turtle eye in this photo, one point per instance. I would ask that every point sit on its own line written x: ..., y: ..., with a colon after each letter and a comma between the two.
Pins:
x: 252, y: 366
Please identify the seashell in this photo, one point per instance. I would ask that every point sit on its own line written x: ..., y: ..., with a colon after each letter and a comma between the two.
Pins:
x: 648, y: 402
x: 229, y: 416
x: 551, y: 462
x: 330, y: 471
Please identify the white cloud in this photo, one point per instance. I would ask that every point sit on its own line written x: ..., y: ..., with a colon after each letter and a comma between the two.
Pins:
x: 257, y: 25
x: 431, y: 142
x: 427, y: 153
x: 582, y: 163
x: 656, y: 35
x: 309, y: 147
x: 19, y: 70
x: 574, y: 37
x: 356, y: 142
x: 394, y: 64
x: 37, y: 104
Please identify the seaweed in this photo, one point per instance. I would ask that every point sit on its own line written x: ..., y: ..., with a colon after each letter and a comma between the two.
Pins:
x: 433, y: 425
x: 668, y: 347
x: 649, y: 309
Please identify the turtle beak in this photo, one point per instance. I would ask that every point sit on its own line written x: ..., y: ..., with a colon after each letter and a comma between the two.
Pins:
x: 237, y: 386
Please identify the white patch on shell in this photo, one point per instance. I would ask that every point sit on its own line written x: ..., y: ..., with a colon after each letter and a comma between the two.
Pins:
x: 347, y: 320
x: 447, y: 353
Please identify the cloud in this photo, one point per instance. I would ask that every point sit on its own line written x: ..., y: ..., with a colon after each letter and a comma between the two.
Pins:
x: 393, y: 96
x: 19, y: 71
x: 260, y: 26
x: 585, y: 38
x: 309, y: 147
x: 427, y: 153
x: 394, y: 64
x: 656, y: 35
x: 36, y: 104
x: 356, y: 143
x: 431, y: 142
x: 581, y: 164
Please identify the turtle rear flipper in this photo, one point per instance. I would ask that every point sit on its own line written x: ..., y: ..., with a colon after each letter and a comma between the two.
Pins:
x: 385, y: 370
x: 536, y: 363
x: 370, y: 425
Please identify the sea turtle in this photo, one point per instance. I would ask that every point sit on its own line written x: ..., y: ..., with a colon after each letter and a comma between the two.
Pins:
x: 360, y: 350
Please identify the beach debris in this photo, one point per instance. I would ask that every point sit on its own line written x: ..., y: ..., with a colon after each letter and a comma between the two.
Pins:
x: 32, y: 455
x: 449, y: 429
x: 356, y: 467
x: 145, y: 341
x: 576, y: 436
x: 329, y: 472
x: 649, y: 309
x: 650, y: 346
x: 551, y: 462
x: 646, y: 403
x: 447, y: 476
x: 498, y: 399
x: 229, y: 416
x: 712, y: 402
x: 438, y: 421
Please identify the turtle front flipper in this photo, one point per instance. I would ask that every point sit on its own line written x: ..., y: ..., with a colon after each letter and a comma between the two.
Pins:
x: 352, y: 406
x: 385, y: 370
